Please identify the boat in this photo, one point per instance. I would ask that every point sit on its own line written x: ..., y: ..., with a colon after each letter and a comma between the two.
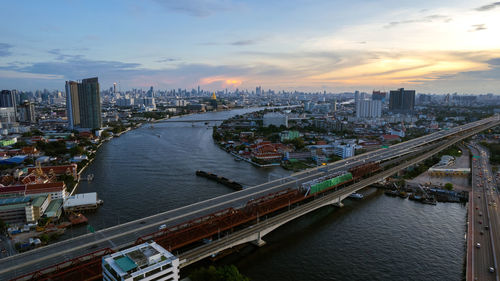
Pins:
x: 238, y: 159
x: 403, y: 194
x: 220, y: 179
x: 391, y: 192
x: 356, y: 196
x: 77, y: 219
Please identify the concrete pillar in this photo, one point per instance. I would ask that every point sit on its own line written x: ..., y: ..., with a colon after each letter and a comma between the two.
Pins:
x: 259, y: 242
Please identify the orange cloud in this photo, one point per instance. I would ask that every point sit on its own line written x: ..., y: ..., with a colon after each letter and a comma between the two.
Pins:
x: 223, y: 81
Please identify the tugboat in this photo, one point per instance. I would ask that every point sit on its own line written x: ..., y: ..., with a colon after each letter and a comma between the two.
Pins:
x: 356, y: 196
x: 227, y: 182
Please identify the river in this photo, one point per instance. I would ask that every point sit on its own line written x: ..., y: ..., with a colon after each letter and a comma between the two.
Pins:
x: 149, y: 170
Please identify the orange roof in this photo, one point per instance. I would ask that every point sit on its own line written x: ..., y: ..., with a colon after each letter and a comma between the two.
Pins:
x: 45, y: 187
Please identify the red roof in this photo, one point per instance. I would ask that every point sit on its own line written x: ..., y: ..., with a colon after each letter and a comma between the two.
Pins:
x: 44, y: 187
x: 58, y: 170
x: 390, y: 137
x: 13, y: 189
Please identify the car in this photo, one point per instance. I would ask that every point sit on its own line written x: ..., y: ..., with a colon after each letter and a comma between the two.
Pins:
x: 491, y: 269
x: 481, y: 232
x: 486, y: 227
x: 480, y: 214
x: 480, y: 222
x: 478, y: 245
x: 163, y: 226
x: 477, y: 208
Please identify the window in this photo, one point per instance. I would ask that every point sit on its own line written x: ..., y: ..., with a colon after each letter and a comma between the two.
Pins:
x: 154, y: 271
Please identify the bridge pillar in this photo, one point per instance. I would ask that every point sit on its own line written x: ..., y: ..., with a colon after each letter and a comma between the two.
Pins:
x: 338, y: 204
x: 259, y: 242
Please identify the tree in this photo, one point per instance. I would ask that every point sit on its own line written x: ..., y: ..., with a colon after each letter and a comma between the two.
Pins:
x: 448, y: 186
x: 225, y: 273
x: 3, y: 226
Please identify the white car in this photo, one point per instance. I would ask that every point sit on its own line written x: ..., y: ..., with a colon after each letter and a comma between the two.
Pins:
x: 162, y: 227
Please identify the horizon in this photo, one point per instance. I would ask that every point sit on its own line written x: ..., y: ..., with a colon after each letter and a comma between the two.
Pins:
x: 438, y: 48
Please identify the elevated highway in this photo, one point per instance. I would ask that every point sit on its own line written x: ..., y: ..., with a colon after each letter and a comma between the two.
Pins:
x: 256, y: 232
x: 124, y: 235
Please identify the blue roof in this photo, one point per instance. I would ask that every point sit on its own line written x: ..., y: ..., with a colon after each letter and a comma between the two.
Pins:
x: 14, y: 160
x: 15, y: 200
x: 125, y: 263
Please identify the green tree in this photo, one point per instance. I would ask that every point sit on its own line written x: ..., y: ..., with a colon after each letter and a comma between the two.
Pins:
x: 448, y: 186
x: 3, y: 226
x: 225, y: 273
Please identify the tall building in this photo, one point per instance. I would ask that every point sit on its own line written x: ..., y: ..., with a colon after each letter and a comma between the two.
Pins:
x: 378, y: 95
x: 369, y: 109
x: 83, y: 104
x: 402, y: 101
x: 258, y: 91
x: 27, y: 112
x: 7, y: 98
x: 72, y: 104
x: 148, y: 261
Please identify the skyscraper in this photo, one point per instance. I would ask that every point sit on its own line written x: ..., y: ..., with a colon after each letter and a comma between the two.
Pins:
x: 72, y: 104
x: 7, y: 99
x: 83, y: 104
x: 402, y: 101
x: 27, y: 112
x: 378, y: 95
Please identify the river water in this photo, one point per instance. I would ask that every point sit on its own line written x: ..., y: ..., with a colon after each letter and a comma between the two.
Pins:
x: 149, y: 170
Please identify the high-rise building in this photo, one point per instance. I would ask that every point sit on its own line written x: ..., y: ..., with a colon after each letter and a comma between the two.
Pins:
x: 258, y: 91
x: 7, y: 99
x: 148, y: 261
x: 378, y: 95
x: 83, y: 104
x: 402, y: 101
x: 27, y: 112
x: 72, y: 104
x: 369, y: 109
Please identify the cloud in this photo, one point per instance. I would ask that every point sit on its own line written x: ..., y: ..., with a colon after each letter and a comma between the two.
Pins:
x: 4, y: 49
x: 478, y: 27
x: 60, y: 56
x: 243, y: 42
x: 197, y: 8
x: 488, y: 7
x: 166, y: 60
x: 431, y: 18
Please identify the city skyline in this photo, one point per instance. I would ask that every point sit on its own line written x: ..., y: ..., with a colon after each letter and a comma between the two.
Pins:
x: 287, y: 45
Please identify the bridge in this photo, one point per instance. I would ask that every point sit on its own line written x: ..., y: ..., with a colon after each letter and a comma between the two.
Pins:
x: 483, y: 221
x: 238, y: 216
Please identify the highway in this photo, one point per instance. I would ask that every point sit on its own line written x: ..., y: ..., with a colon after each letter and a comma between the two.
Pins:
x: 124, y: 235
x: 483, y: 253
x: 206, y: 250
x: 485, y: 218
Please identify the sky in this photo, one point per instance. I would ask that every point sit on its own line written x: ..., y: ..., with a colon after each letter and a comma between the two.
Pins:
x: 325, y: 45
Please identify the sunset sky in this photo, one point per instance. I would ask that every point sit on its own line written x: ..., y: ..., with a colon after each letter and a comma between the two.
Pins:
x: 431, y: 46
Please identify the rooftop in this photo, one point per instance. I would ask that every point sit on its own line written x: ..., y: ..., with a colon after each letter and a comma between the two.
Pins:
x: 81, y: 199
x: 14, y: 200
x: 139, y: 258
x: 38, y: 201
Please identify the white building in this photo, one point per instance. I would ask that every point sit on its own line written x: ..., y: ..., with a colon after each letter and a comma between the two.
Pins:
x: 344, y: 151
x: 369, y: 109
x: 148, y: 261
x: 276, y: 119
x: 125, y: 102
